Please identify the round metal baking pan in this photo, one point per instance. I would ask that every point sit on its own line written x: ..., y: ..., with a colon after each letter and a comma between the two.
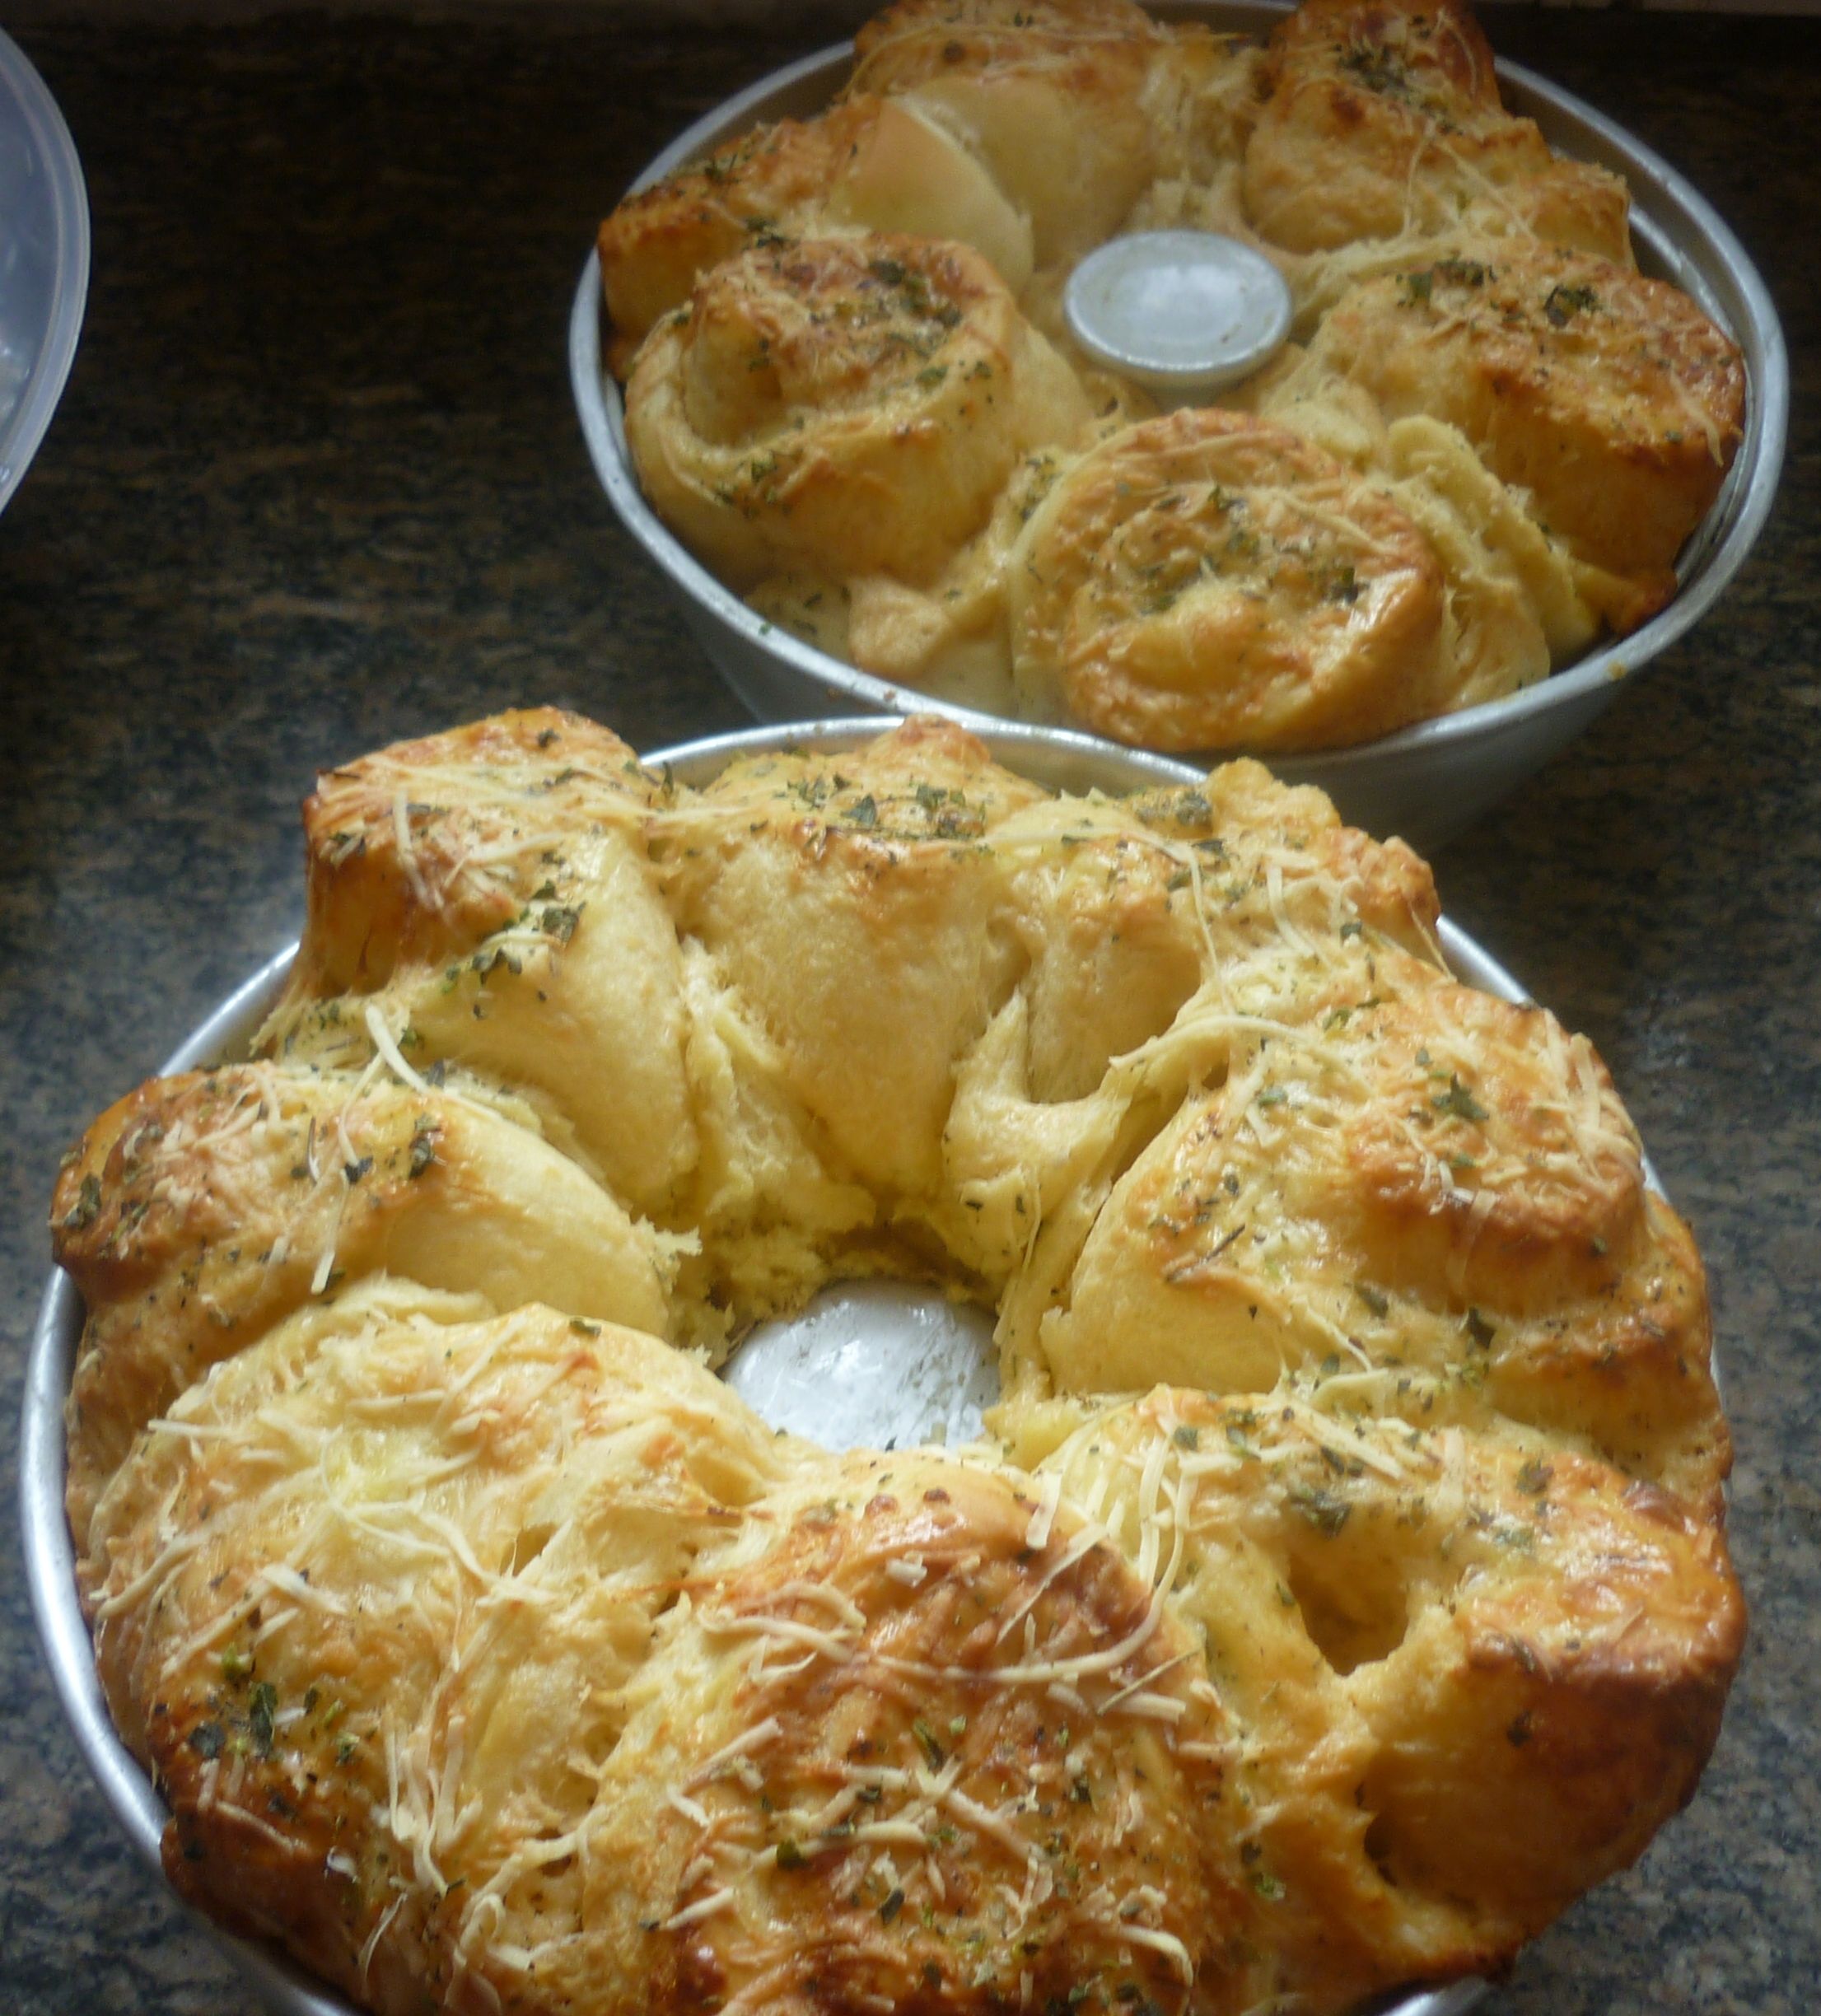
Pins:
x: 1426, y: 782
x: 1062, y: 763
x: 43, y: 260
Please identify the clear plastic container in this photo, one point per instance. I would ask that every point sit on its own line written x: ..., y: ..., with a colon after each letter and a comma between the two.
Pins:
x: 43, y: 260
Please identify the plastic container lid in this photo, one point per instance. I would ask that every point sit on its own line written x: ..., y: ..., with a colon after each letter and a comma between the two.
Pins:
x: 1181, y: 311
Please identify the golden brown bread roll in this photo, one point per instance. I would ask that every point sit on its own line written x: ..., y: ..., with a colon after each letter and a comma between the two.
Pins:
x: 854, y: 404
x: 868, y: 163
x: 1383, y: 120
x: 204, y: 1207
x: 1366, y: 1593
x: 1609, y: 398
x: 524, y: 890
x: 921, y: 1810
x: 1346, y: 1592
x: 763, y: 186
x: 1208, y: 580
x: 1073, y: 107
x: 403, y: 1560
x: 1419, y: 1163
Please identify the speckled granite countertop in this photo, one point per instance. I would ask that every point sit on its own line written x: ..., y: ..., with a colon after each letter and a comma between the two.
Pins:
x: 316, y: 484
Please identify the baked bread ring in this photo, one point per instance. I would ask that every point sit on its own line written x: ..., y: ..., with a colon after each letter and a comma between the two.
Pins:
x: 1547, y: 428
x: 488, y: 1650
x: 1382, y: 119
x: 1208, y: 580
x: 852, y: 405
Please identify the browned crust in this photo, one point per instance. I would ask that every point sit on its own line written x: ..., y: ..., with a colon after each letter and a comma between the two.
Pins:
x: 372, y: 909
x: 1382, y: 119
x: 658, y: 242
x: 1611, y: 399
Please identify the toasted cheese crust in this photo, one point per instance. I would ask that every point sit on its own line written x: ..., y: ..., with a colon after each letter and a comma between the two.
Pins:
x: 1358, y: 1410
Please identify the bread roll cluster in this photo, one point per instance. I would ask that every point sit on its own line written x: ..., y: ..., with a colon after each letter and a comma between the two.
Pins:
x: 1342, y: 1591
x: 1480, y: 375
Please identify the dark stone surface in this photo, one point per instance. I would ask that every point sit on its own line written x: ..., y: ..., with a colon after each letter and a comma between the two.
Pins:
x: 316, y: 484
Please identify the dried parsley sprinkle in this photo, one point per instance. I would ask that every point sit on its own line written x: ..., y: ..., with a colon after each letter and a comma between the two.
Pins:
x: 1340, y: 583
x: 1459, y: 1103
x: 1324, y: 1510
x: 262, y: 1706
x: 87, y: 1207
x: 1186, y: 1436
x: 1564, y: 303
x: 1377, y: 68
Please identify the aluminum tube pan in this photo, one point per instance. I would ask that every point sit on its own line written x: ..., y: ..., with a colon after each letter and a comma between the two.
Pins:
x: 1427, y: 783
x: 1060, y: 761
